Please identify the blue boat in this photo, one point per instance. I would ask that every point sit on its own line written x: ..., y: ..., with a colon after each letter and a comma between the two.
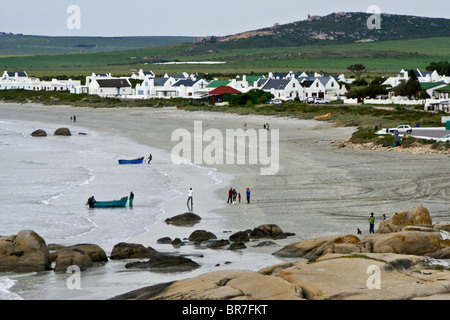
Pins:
x: 107, y: 204
x: 133, y: 161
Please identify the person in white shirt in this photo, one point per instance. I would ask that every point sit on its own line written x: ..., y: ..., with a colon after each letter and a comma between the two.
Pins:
x: 190, y: 197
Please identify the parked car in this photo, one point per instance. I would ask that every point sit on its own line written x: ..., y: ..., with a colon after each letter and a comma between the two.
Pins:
x: 310, y: 100
x: 445, y: 138
x: 321, y: 101
x: 402, y: 129
x: 275, y: 101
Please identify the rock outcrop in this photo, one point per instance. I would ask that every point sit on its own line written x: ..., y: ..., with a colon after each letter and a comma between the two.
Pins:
x: 24, y: 252
x: 130, y: 251
x: 165, y: 263
x: 72, y: 257
x: 62, y: 132
x: 418, y: 216
x: 331, y: 277
x: 407, y: 232
x: 39, y: 133
x: 187, y: 219
x: 271, y: 231
x: 201, y: 235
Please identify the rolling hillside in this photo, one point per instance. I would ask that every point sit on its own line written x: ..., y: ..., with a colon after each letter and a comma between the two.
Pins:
x: 336, y: 28
x: 321, y: 44
x: 11, y: 44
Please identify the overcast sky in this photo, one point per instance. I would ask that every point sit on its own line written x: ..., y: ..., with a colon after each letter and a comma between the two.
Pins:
x: 184, y: 17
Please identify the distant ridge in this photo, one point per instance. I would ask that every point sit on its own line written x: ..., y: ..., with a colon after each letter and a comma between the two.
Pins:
x: 335, y: 28
x: 18, y: 44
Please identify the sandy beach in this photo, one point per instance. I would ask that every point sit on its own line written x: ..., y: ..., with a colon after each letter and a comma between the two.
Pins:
x: 319, y: 190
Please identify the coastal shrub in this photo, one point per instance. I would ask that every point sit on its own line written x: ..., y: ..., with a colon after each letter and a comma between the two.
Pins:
x: 363, y: 135
x: 441, y: 145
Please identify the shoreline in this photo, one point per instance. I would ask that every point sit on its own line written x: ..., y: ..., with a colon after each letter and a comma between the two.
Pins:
x: 320, y: 190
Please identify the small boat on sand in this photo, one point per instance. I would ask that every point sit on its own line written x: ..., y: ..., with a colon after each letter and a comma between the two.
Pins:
x: 132, y: 161
x: 107, y: 204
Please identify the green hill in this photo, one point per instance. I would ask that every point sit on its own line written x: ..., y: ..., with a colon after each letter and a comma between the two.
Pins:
x: 322, y: 44
x: 12, y: 44
x: 336, y: 28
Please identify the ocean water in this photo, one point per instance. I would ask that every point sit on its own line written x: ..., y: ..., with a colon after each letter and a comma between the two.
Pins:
x: 45, y: 183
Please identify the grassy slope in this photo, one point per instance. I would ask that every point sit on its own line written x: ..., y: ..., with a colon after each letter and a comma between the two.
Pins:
x: 32, y: 45
x: 386, y: 57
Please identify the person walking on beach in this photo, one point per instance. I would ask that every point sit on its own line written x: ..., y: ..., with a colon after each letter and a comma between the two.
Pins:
x: 234, y: 195
x: 371, y: 223
x: 131, y: 198
x: 74, y: 119
x: 150, y: 158
x: 239, y: 196
x: 190, y: 198
x: 230, y: 196
x: 248, y: 195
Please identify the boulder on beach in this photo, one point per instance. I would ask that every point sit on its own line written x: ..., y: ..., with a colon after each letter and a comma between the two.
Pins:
x: 187, y: 219
x: 418, y: 216
x: 24, y: 252
x: 271, y: 231
x: 237, y: 246
x: 331, y: 277
x: 95, y: 253
x: 216, y: 244
x: 39, y: 133
x: 164, y: 240
x: 72, y: 257
x: 313, y: 248
x: 165, y: 263
x: 201, y: 235
x: 240, y: 236
x: 130, y: 251
x: 423, y: 241
x: 62, y: 132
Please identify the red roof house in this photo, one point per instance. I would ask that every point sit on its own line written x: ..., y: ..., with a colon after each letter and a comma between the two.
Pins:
x: 219, y: 91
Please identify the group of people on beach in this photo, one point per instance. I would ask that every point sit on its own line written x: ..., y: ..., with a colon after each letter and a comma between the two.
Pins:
x: 233, y: 195
x: 74, y: 119
x: 371, y: 223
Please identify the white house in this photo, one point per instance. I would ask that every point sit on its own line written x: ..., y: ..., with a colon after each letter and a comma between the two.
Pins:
x: 156, y: 87
x: 283, y: 89
x: 111, y: 87
x: 332, y: 87
x: 422, y: 76
x: 313, y: 87
x: 246, y: 83
x: 188, y: 88
x: 427, y: 76
x: 20, y: 80
x: 142, y: 75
